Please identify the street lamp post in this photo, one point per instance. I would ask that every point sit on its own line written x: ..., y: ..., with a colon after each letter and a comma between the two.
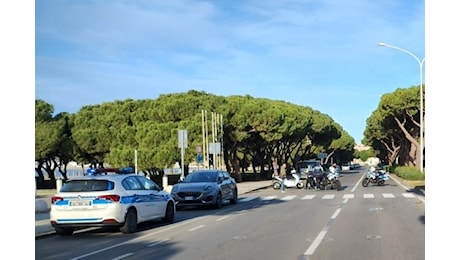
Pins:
x: 420, y: 63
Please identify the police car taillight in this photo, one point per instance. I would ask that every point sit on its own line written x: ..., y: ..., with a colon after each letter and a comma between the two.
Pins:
x: 56, y: 198
x: 114, y: 198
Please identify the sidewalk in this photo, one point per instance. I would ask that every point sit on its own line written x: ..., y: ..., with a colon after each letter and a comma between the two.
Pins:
x: 43, y: 202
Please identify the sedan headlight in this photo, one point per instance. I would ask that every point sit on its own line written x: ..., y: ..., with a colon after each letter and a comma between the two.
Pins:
x: 208, y: 187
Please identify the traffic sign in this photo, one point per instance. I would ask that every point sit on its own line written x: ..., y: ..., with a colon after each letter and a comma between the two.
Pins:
x: 322, y: 155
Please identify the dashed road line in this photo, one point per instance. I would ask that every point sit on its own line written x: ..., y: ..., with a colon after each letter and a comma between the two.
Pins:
x: 195, y: 228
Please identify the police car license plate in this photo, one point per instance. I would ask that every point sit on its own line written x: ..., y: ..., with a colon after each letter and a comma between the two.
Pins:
x: 80, y: 203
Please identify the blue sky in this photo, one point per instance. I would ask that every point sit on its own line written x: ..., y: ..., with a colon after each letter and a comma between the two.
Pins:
x: 321, y: 54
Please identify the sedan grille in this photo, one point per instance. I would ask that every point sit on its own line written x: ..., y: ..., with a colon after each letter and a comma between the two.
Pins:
x: 194, y: 194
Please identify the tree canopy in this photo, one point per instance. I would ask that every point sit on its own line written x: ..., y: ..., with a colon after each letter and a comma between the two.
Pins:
x: 255, y: 131
x: 393, y: 129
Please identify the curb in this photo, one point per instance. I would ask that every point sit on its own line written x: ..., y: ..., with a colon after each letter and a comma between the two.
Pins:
x: 407, y: 185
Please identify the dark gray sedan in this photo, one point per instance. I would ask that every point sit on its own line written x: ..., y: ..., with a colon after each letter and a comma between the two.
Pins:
x: 205, y: 188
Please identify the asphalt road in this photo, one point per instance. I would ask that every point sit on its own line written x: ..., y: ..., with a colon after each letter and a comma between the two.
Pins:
x: 376, y: 222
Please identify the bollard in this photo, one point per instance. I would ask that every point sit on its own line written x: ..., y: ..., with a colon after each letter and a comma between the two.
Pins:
x: 58, y: 184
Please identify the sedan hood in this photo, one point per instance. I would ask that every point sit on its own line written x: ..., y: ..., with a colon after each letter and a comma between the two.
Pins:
x: 194, y: 186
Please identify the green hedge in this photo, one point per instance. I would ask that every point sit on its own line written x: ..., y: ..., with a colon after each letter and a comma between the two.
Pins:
x: 409, y: 173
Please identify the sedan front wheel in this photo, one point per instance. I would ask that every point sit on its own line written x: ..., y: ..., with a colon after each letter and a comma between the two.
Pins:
x: 169, y: 213
x: 234, y: 199
x: 219, y: 203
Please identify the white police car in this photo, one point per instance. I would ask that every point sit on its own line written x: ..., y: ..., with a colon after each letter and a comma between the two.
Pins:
x: 119, y: 200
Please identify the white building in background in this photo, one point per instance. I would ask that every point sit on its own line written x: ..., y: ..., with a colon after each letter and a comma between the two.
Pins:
x: 374, y: 161
x: 361, y: 147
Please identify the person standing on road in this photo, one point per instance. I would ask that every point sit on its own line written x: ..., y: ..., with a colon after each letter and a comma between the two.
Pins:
x: 282, y: 176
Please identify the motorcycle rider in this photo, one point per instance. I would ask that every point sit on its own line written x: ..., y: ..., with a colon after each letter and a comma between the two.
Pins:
x: 373, y: 171
x: 332, y: 168
x: 314, y: 177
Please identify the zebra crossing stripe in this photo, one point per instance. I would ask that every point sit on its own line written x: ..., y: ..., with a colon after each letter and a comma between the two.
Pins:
x: 388, y: 195
x: 247, y: 199
x: 349, y: 196
x: 308, y: 197
x: 328, y: 197
x: 408, y: 195
x: 289, y: 197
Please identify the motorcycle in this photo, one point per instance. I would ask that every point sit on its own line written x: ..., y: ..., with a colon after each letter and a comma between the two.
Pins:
x: 292, y: 182
x: 316, y: 179
x: 332, y: 181
x: 375, y: 177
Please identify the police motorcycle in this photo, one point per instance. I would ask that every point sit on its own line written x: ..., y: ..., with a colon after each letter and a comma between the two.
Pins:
x: 375, y: 176
x: 332, y: 179
x: 291, y: 182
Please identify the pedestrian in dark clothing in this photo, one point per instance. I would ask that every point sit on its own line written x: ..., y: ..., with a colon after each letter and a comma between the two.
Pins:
x: 283, y: 176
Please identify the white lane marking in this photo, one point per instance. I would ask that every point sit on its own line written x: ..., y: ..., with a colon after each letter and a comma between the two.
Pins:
x: 177, y: 225
x: 336, y: 213
x: 332, y: 196
x: 328, y: 197
x: 248, y: 199
x: 222, y: 218
x: 388, y: 195
x: 269, y: 198
x: 290, y: 197
x: 311, y: 249
x: 349, y: 196
x: 422, y: 199
x: 308, y: 197
x: 400, y: 184
x: 195, y: 228
x: 408, y: 195
x: 315, y: 243
x: 368, y: 195
x: 159, y: 242
x: 122, y: 256
x: 358, y: 183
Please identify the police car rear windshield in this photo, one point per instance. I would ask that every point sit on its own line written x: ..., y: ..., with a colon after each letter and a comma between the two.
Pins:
x: 87, y: 185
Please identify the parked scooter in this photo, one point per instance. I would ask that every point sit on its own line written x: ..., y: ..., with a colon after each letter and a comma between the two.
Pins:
x: 291, y: 182
x: 375, y: 176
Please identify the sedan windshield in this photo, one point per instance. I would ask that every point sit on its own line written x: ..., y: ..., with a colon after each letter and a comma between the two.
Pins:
x: 208, y: 176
